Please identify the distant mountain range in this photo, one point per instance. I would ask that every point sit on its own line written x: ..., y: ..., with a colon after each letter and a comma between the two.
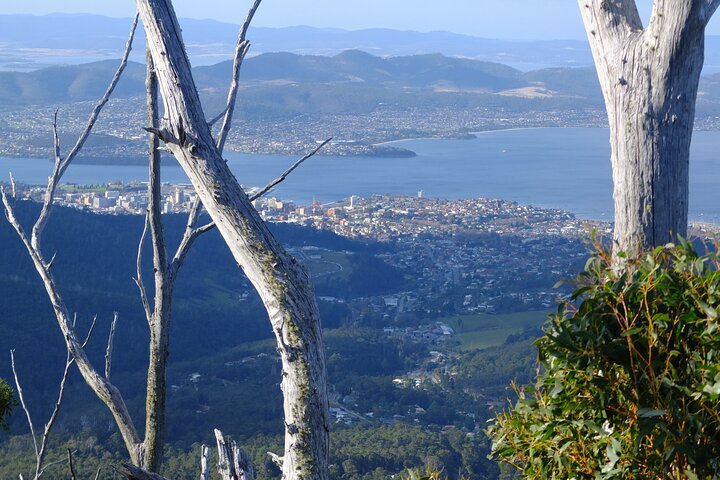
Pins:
x: 350, y: 82
x: 28, y: 41
x: 433, y: 72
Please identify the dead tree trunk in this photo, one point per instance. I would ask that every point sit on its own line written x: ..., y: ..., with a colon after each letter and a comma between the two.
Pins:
x: 283, y: 284
x: 159, y: 316
x: 649, y: 78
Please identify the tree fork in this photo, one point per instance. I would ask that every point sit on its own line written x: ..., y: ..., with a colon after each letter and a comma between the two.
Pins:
x: 649, y: 78
x: 283, y: 284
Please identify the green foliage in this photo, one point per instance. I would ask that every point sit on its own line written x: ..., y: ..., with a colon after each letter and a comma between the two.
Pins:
x: 7, y: 402
x: 429, y: 474
x: 378, y: 452
x: 630, y: 380
x: 89, y: 456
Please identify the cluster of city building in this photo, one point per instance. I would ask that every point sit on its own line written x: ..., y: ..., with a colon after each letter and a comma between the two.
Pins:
x: 464, y: 256
x: 388, y: 217
x: 116, y: 199
x: 379, y: 217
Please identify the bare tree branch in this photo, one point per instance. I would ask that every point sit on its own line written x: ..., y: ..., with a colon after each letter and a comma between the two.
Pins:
x: 22, y: 402
x: 56, y: 141
x: 62, y: 164
x: 159, y: 313
x: 187, y: 241
x: 99, y: 106
x: 154, y: 192
x: 52, y: 260
x: 233, y: 464
x: 138, y: 268
x: 244, y: 469
x: 669, y: 15
x: 191, y: 232
x: 287, y: 172
x: 52, y: 464
x: 225, y: 463
x: 13, y: 187
x: 712, y: 6
x: 248, y: 20
x: 219, y: 116
x: 276, y: 459
x: 107, y: 392
x: 41, y: 451
x: 241, y: 50
x: 39, y: 468
x: 70, y: 465
x: 283, y: 284
x: 90, y: 332
x: 109, y: 349
x: 49, y: 190
x: 195, y: 211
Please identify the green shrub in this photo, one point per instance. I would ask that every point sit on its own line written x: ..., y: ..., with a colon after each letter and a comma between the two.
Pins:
x: 7, y: 402
x: 629, y: 376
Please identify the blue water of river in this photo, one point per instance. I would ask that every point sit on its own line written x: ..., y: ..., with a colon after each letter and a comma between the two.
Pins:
x: 566, y: 168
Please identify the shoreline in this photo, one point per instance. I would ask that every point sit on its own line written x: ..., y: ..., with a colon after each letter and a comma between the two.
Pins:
x: 428, y: 173
x: 474, y: 133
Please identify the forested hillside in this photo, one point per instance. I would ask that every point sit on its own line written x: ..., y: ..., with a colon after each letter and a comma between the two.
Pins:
x: 220, y: 362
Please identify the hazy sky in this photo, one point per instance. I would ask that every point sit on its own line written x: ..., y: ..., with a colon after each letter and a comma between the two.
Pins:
x: 507, y: 19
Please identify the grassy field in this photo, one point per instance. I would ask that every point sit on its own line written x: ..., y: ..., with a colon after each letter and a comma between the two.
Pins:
x: 336, y: 264
x: 483, y: 331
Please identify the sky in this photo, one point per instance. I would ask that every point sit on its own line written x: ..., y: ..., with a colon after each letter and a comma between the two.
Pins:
x: 505, y: 19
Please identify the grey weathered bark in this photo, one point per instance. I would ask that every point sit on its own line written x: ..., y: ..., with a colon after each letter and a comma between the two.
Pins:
x: 233, y: 464
x: 159, y: 318
x: 649, y: 78
x: 110, y: 344
x: 204, y: 465
x: 165, y: 273
x: 283, y: 284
